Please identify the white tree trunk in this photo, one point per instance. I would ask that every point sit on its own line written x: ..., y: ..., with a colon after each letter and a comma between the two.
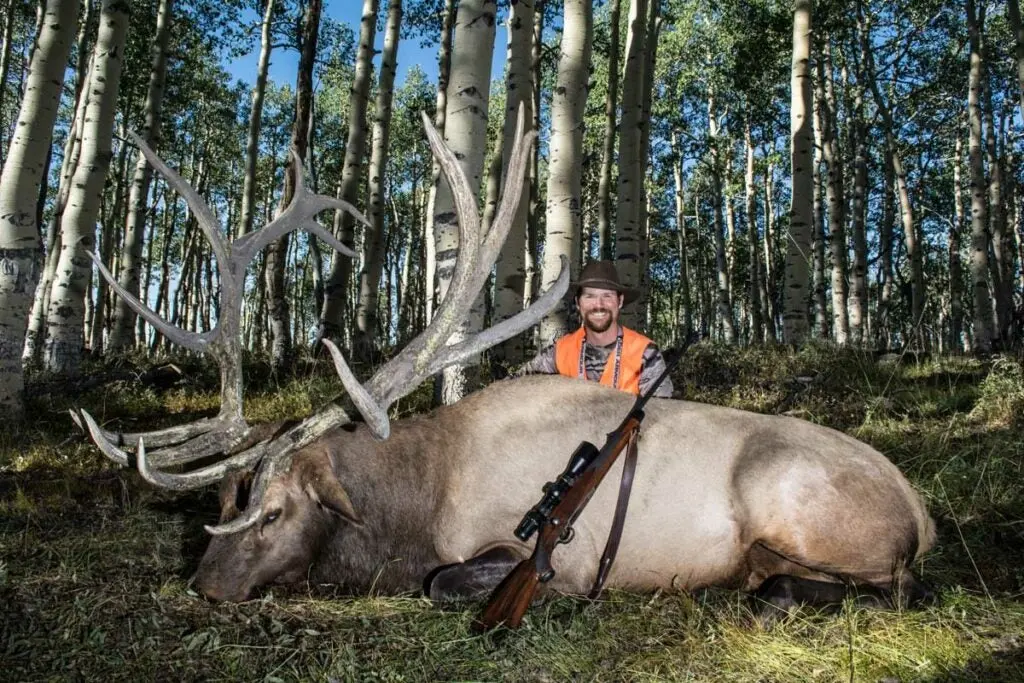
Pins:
x: 373, y: 244
x: 466, y: 134
x: 836, y: 200
x: 20, y: 245
x: 510, y: 268
x: 756, y: 280
x: 983, y: 328
x: 122, y: 331
x: 65, y: 318
x: 332, y: 317
x: 252, y: 140
x: 444, y: 66
x: 604, y: 201
x: 566, y: 159
x: 801, y: 214
x: 629, y: 196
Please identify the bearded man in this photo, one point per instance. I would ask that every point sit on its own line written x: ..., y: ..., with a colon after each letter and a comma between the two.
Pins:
x: 602, y: 350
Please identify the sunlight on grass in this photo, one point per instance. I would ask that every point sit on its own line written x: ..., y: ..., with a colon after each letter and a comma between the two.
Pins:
x: 95, y: 564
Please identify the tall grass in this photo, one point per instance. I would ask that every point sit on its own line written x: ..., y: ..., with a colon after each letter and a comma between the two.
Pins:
x: 94, y: 565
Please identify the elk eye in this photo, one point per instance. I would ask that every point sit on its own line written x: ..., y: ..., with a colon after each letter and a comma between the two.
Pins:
x: 271, y: 517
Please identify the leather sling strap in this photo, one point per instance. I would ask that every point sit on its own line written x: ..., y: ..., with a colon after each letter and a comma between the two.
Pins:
x: 618, y: 521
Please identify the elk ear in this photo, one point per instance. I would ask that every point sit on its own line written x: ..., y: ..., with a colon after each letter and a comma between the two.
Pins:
x: 320, y: 483
x: 329, y: 492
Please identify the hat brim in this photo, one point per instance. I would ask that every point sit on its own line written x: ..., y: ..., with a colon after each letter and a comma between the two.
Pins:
x: 629, y: 295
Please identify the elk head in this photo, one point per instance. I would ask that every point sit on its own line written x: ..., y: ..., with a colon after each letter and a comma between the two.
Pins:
x: 266, y: 540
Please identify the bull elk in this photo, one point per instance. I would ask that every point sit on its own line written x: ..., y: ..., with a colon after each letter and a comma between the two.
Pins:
x: 791, y: 510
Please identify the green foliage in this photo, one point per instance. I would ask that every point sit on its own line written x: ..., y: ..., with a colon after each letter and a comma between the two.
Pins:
x: 1002, y: 394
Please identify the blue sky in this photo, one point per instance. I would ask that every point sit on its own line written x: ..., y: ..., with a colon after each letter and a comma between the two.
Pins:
x: 283, y: 63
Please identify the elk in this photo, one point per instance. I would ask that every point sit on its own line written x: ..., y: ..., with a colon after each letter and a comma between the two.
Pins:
x: 792, y: 511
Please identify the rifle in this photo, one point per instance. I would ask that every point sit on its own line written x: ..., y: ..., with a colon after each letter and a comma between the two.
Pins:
x: 562, y: 503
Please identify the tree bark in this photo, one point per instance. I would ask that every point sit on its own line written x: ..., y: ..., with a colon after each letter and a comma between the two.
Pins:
x: 510, y: 267
x: 277, y: 252
x: 836, y: 201
x: 956, y: 314
x: 770, y: 255
x: 373, y: 261
x: 444, y: 66
x: 604, y: 200
x: 533, y: 221
x: 466, y: 134
x: 754, y: 275
x: 1013, y: 13
x: 801, y: 214
x: 684, y: 261
x: 563, y: 216
x: 818, y: 280
x: 252, y: 139
x: 629, y: 196
x: 336, y: 294
x: 5, y: 66
x: 723, y: 300
x: 122, y: 331
x: 65, y: 317
x: 108, y: 228
x: 72, y: 148
x: 1002, y: 252
x: 20, y: 247
x: 983, y: 332
x: 859, y: 267
x: 640, y: 313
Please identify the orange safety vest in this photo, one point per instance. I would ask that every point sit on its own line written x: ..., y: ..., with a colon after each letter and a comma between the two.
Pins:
x: 569, y: 347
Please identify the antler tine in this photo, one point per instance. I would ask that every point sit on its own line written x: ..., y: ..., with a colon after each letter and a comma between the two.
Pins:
x: 186, y: 444
x: 499, y: 332
x: 197, y: 478
x: 518, y: 161
x: 450, y: 312
x: 160, y: 438
x: 428, y: 353
x: 304, y: 206
x: 190, y: 340
x: 205, y: 217
x: 375, y: 416
x: 268, y: 469
x: 106, y: 445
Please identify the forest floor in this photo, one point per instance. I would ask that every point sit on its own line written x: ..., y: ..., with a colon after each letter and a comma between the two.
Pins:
x: 94, y: 564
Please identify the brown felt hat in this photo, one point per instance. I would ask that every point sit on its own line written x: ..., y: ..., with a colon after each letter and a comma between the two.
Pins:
x: 602, y: 275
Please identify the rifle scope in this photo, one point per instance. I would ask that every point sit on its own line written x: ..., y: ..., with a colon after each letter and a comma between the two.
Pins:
x: 553, y: 491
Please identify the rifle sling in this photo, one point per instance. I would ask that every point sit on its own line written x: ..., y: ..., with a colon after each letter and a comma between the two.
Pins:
x: 618, y: 521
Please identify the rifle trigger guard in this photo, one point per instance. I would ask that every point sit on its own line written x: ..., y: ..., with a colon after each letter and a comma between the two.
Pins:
x: 568, y: 534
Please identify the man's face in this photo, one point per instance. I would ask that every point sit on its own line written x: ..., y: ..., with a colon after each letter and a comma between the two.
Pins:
x: 599, y: 308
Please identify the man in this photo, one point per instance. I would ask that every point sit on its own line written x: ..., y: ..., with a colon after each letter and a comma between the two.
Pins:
x: 602, y: 350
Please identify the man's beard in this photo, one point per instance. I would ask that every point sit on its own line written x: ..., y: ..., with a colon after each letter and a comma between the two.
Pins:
x: 601, y: 326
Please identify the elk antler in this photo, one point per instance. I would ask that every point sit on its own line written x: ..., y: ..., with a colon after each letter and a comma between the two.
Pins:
x: 228, y: 431
x: 272, y: 446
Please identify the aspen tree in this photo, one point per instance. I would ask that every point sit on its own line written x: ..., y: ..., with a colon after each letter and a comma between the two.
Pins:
x: 20, y: 246
x: 563, y: 219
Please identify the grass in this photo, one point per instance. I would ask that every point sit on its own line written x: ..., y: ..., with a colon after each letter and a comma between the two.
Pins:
x: 94, y: 565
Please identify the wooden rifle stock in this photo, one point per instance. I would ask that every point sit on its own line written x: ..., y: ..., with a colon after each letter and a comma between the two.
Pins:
x: 509, y: 601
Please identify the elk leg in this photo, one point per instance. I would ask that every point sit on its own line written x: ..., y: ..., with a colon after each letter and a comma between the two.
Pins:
x: 780, y: 594
x: 475, y: 578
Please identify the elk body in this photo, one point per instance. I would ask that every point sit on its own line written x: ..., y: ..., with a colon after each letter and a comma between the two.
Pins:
x: 721, y: 498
